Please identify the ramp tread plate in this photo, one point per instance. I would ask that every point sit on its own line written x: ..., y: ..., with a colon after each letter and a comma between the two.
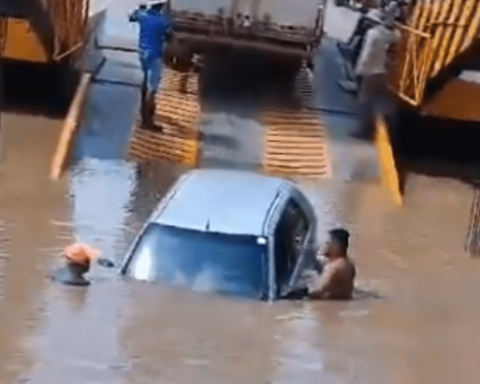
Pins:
x: 177, y: 113
x: 294, y: 149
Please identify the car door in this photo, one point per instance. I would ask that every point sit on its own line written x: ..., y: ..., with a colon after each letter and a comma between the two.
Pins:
x: 306, y: 242
x: 290, y: 240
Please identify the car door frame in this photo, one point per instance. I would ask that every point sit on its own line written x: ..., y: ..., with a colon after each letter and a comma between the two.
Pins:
x: 309, y: 242
x: 306, y: 258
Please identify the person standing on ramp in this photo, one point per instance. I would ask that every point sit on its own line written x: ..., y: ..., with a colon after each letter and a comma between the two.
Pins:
x: 155, y: 30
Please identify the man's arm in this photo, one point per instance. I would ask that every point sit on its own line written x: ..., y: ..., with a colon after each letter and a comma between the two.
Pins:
x: 136, y: 15
x: 366, y: 51
x: 323, y: 284
x: 168, y: 29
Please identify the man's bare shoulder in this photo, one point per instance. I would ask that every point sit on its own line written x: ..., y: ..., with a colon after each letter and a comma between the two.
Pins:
x: 343, y: 266
x: 344, y: 262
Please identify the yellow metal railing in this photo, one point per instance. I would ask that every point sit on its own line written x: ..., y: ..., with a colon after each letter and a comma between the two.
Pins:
x: 388, y: 168
x: 436, y: 33
x: 69, y: 19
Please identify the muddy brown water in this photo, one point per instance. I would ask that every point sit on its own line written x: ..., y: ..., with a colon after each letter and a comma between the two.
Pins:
x: 425, y: 328
x: 422, y: 328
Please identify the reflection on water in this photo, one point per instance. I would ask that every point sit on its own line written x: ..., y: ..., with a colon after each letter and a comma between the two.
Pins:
x: 424, y: 329
x: 100, y: 192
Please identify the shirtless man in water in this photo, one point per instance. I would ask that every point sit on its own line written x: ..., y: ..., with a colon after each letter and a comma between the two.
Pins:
x: 337, y: 279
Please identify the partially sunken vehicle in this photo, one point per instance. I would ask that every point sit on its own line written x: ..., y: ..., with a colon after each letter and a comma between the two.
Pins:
x: 229, y: 232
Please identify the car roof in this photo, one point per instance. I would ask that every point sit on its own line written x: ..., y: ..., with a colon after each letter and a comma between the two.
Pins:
x: 223, y: 201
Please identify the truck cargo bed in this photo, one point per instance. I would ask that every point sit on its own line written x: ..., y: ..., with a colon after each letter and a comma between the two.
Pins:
x: 208, y: 25
x: 203, y: 31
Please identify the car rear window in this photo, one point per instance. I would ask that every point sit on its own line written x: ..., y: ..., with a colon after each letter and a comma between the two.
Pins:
x: 203, y: 261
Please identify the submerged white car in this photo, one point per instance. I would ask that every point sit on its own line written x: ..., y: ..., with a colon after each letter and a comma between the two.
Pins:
x: 231, y: 232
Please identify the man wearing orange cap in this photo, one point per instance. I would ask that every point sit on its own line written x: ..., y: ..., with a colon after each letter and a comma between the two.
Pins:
x: 78, y: 258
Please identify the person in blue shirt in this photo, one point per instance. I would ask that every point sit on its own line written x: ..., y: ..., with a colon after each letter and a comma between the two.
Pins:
x: 155, y: 30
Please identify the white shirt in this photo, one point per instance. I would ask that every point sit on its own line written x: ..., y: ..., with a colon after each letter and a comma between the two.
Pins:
x: 374, y: 14
x: 373, y: 57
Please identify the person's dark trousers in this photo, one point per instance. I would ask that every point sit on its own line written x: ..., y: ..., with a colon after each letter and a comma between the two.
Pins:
x: 373, y: 98
x: 361, y: 28
x: 351, y: 50
x: 147, y: 107
x: 146, y: 115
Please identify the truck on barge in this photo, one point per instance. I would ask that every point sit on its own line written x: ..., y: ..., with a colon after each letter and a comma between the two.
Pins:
x: 285, y: 29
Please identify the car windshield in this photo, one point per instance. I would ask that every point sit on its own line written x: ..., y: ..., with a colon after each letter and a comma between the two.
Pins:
x: 203, y: 261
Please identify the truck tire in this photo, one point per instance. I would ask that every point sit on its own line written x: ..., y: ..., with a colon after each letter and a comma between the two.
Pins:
x: 310, y: 64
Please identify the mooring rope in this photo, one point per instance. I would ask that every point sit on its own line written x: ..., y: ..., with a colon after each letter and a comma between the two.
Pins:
x: 472, y: 244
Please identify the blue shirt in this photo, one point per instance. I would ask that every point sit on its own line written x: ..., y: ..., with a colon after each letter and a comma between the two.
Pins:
x: 154, y: 27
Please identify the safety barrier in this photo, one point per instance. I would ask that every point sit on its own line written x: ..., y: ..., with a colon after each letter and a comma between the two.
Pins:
x: 437, y: 32
x: 70, y: 128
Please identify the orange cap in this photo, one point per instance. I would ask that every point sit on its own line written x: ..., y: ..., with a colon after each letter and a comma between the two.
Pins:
x: 79, y: 253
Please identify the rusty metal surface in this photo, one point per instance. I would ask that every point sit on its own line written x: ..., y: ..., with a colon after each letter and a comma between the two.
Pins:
x: 20, y: 42
x: 177, y: 113
x: 70, y: 22
x: 203, y: 44
x: 458, y: 100
x: 281, y: 12
x: 246, y: 27
x: 436, y: 34
x: 3, y: 33
x: 45, y: 30
x: 199, y: 30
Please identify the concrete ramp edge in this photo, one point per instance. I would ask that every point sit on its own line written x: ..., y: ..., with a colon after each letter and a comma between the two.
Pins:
x: 70, y: 128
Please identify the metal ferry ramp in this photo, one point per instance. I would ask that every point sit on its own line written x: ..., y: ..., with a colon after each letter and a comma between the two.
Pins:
x: 295, y: 144
x: 177, y: 111
x: 294, y: 138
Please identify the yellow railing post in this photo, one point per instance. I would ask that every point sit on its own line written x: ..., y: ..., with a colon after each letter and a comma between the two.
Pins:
x: 388, y: 169
x: 70, y: 128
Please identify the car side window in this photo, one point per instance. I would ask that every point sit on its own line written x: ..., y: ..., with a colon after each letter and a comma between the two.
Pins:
x: 289, y: 237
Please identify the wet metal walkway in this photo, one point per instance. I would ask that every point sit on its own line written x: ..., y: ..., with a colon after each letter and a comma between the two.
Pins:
x: 295, y: 144
x: 294, y: 140
x: 177, y: 113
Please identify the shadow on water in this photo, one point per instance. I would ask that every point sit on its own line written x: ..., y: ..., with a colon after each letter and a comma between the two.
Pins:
x: 37, y: 89
x: 439, y: 148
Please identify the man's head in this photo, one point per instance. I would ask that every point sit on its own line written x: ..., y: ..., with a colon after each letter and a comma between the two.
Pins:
x: 338, y: 243
x: 79, y: 257
x: 389, y: 14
